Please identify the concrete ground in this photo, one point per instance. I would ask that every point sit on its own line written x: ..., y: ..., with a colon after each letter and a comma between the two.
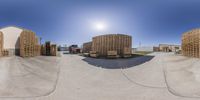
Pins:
x: 159, y: 76
x: 29, y: 77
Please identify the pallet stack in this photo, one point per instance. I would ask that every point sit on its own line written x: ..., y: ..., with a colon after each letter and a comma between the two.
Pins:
x: 43, y: 49
x: 5, y: 53
x: 191, y: 43
x: 111, y: 42
x: 48, y: 48
x: 37, y: 47
x: 94, y: 54
x: 87, y: 47
x: 27, y: 43
x: 53, y: 50
x: 127, y: 52
x: 1, y: 43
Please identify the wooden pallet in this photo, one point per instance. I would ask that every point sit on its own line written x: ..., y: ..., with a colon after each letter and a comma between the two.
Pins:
x: 27, y: 43
x: 53, y: 50
x: 112, y: 54
x: 94, y: 54
x: 191, y: 43
x: 1, y: 44
x: 87, y: 47
x: 111, y: 42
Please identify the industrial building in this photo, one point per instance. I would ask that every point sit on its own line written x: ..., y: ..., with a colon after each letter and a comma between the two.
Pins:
x: 191, y: 43
x: 169, y: 48
x: 110, y: 45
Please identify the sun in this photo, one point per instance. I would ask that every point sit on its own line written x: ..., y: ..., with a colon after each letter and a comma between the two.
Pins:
x: 100, y: 26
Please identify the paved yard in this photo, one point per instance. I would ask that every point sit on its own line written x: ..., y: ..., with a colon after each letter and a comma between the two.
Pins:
x: 159, y: 76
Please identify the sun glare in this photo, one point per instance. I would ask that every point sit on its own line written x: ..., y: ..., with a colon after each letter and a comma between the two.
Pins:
x: 100, y: 26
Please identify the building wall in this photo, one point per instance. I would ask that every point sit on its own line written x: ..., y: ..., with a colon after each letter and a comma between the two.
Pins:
x: 169, y: 47
x: 11, y: 37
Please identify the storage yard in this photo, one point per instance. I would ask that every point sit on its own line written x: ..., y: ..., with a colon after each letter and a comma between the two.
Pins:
x: 39, y: 74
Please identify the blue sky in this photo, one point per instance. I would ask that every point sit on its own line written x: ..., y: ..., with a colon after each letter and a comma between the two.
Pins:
x: 149, y: 22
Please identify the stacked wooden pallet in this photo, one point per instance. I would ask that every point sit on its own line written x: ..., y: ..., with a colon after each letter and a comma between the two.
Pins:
x: 111, y: 42
x: 87, y: 47
x: 112, y: 54
x: 1, y: 43
x: 191, y: 43
x: 53, y: 50
x: 94, y: 54
x: 5, y: 52
x: 48, y: 48
x: 43, y: 49
x: 27, y: 43
x: 127, y: 52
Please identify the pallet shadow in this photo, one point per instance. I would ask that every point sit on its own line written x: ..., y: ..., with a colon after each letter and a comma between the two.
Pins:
x: 117, y: 63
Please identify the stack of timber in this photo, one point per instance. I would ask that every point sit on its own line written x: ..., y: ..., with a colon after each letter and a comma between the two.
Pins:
x: 112, y: 54
x: 94, y: 54
x: 48, y: 48
x: 111, y: 42
x: 27, y: 43
x: 87, y: 47
x: 191, y: 43
x: 43, y: 49
x: 127, y: 53
x: 5, y: 52
x: 37, y: 50
x: 1, y: 43
x: 53, y: 50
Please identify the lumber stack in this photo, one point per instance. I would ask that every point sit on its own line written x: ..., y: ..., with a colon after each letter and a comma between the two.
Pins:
x: 27, y: 43
x: 1, y: 43
x: 191, y: 43
x: 127, y: 52
x: 87, y: 47
x: 48, y: 48
x: 53, y: 50
x: 111, y: 42
x: 43, y: 49
x: 5, y: 52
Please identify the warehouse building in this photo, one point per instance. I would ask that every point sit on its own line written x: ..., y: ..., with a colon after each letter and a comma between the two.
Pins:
x: 191, y: 43
x: 18, y: 41
x: 169, y: 48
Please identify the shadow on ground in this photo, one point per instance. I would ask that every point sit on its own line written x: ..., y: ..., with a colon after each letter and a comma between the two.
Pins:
x: 117, y: 63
